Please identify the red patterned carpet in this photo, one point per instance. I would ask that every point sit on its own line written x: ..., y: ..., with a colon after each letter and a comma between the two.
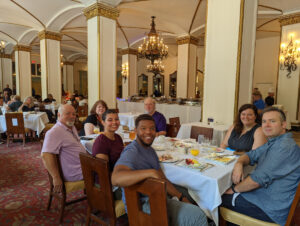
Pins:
x: 24, y: 190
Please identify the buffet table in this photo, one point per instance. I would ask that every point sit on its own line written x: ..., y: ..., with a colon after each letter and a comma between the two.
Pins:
x: 185, y: 112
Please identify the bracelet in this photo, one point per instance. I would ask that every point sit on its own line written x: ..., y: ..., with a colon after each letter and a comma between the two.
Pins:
x: 232, y: 187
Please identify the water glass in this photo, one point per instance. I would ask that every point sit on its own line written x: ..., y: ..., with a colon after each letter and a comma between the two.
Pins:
x: 214, y: 143
x: 200, y: 138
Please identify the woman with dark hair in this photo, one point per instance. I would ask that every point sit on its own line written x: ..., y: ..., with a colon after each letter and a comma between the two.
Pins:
x: 109, y: 145
x: 245, y: 134
x: 94, y: 120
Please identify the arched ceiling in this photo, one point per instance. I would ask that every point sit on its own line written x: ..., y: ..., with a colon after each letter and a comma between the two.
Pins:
x: 20, y: 21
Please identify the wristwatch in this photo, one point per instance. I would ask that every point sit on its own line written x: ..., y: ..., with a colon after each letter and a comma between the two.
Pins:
x: 232, y: 188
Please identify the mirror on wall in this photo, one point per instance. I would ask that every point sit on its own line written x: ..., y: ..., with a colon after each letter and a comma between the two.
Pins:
x: 199, y: 84
x: 173, y: 84
x: 158, y: 85
x: 143, y: 85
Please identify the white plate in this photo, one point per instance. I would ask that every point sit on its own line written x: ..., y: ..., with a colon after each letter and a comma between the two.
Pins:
x: 172, y: 159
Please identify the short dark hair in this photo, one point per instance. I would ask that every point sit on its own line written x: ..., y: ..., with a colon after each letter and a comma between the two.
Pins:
x: 108, y: 111
x: 143, y: 117
x: 281, y: 113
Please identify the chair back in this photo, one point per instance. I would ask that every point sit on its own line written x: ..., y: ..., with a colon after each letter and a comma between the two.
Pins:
x: 291, y: 216
x: 99, y: 197
x: 156, y: 191
x: 60, y: 173
x: 82, y: 110
x: 175, y: 121
x: 15, y: 123
x: 207, y: 132
x: 173, y: 127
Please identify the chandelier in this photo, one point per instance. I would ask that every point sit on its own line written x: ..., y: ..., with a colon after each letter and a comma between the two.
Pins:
x: 125, y: 71
x: 288, y: 56
x: 153, y: 48
x: 156, y: 67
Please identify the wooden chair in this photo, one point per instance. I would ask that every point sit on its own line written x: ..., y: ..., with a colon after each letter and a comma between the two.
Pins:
x: 15, y: 126
x: 207, y: 132
x: 68, y: 187
x: 173, y: 127
x: 244, y: 220
x: 82, y: 111
x: 175, y: 121
x: 100, y: 198
x: 156, y: 191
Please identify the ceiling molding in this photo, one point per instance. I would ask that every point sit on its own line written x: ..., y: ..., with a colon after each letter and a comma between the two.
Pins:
x: 289, y: 19
x: 187, y: 40
x: 4, y: 55
x: 99, y: 9
x: 22, y: 48
x: 9, y: 36
x: 76, y: 40
x: 269, y: 31
x: 80, y: 58
x: 194, y: 16
x: 148, y: 28
x: 263, y: 24
x: 68, y: 28
x: 15, y: 24
x: 49, y: 35
x: 269, y: 7
x: 129, y: 51
x: 29, y: 13
x: 27, y: 32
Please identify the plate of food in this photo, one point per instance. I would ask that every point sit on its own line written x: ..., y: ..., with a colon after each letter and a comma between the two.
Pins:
x: 158, y: 147
x: 195, y: 164
x: 167, y: 158
x: 220, y: 158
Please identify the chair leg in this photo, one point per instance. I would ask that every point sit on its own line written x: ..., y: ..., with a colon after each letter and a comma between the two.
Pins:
x: 61, y: 212
x: 88, y: 216
x: 49, y: 200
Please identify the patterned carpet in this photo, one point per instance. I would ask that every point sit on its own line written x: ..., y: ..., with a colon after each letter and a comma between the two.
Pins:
x: 24, y: 190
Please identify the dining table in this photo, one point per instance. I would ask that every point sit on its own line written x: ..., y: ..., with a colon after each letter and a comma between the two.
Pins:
x: 35, y: 121
x: 219, y: 131
x: 128, y: 119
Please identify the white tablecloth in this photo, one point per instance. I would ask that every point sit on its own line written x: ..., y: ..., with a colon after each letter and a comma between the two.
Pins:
x: 128, y: 119
x: 185, y: 112
x: 218, y: 134
x: 52, y: 107
x: 35, y: 122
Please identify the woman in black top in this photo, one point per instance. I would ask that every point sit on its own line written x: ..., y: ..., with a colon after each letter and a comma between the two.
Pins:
x: 245, y: 134
x: 94, y: 120
x: 28, y: 105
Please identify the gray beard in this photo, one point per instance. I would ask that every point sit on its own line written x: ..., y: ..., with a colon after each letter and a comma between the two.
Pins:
x: 70, y: 123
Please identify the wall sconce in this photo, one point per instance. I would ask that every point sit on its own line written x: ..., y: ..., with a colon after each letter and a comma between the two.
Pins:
x: 288, y: 56
x: 125, y: 71
x: 61, y: 60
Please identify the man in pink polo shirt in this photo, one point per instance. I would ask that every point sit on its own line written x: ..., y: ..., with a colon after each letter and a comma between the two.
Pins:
x: 63, y: 140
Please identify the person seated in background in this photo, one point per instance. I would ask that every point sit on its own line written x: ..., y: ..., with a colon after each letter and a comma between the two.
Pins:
x: 6, y: 96
x: 268, y: 192
x: 8, y: 90
x: 49, y: 99
x: 15, y: 104
x: 94, y: 120
x: 245, y: 134
x: 139, y: 161
x: 160, y: 120
x: 73, y: 101
x: 62, y: 140
x: 269, y: 100
x: 82, y: 101
x: 28, y: 104
x: 258, y: 101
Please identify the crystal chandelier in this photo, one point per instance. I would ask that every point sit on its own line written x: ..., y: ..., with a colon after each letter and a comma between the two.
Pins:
x: 156, y: 67
x: 153, y: 47
x: 289, y: 55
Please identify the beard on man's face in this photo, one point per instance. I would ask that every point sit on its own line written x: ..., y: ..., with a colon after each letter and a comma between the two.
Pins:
x: 70, y: 123
x: 143, y: 142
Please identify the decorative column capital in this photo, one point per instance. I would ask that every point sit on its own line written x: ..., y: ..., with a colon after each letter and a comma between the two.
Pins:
x: 49, y: 35
x: 22, y: 48
x: 99, y: 9
x: 289, y: 19
x: 68, y: 63
x: 3, y: 55
x: 129, y: 51
x: 187, y: 40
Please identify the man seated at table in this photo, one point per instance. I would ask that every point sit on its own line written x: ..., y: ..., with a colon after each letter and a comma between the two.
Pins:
x: 62, y: 139
x: 268, y: 192
x: 15, y: 104
x: 258, y: 101
x: 160, y: 120
x: 139, y: 161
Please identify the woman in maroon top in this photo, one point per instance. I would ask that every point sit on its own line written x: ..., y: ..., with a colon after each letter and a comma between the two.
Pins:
x: 109, y: 145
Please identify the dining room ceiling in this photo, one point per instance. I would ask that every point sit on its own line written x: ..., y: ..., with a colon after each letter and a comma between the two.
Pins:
x: 20, y: 21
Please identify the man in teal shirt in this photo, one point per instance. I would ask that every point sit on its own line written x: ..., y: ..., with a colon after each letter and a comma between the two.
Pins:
x: 268, y: 192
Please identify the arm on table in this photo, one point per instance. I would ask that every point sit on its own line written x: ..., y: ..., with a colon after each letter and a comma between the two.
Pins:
x: 224, y: 143
x: 89, y: 128
x: 123, y: 176
x: 50, y: 163
x: 237, y: 173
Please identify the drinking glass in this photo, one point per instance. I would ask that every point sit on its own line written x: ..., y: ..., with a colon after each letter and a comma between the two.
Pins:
x: 214, y: 143
x: 96, y: 130
x: 131, y: 135
x: 200, y: 138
